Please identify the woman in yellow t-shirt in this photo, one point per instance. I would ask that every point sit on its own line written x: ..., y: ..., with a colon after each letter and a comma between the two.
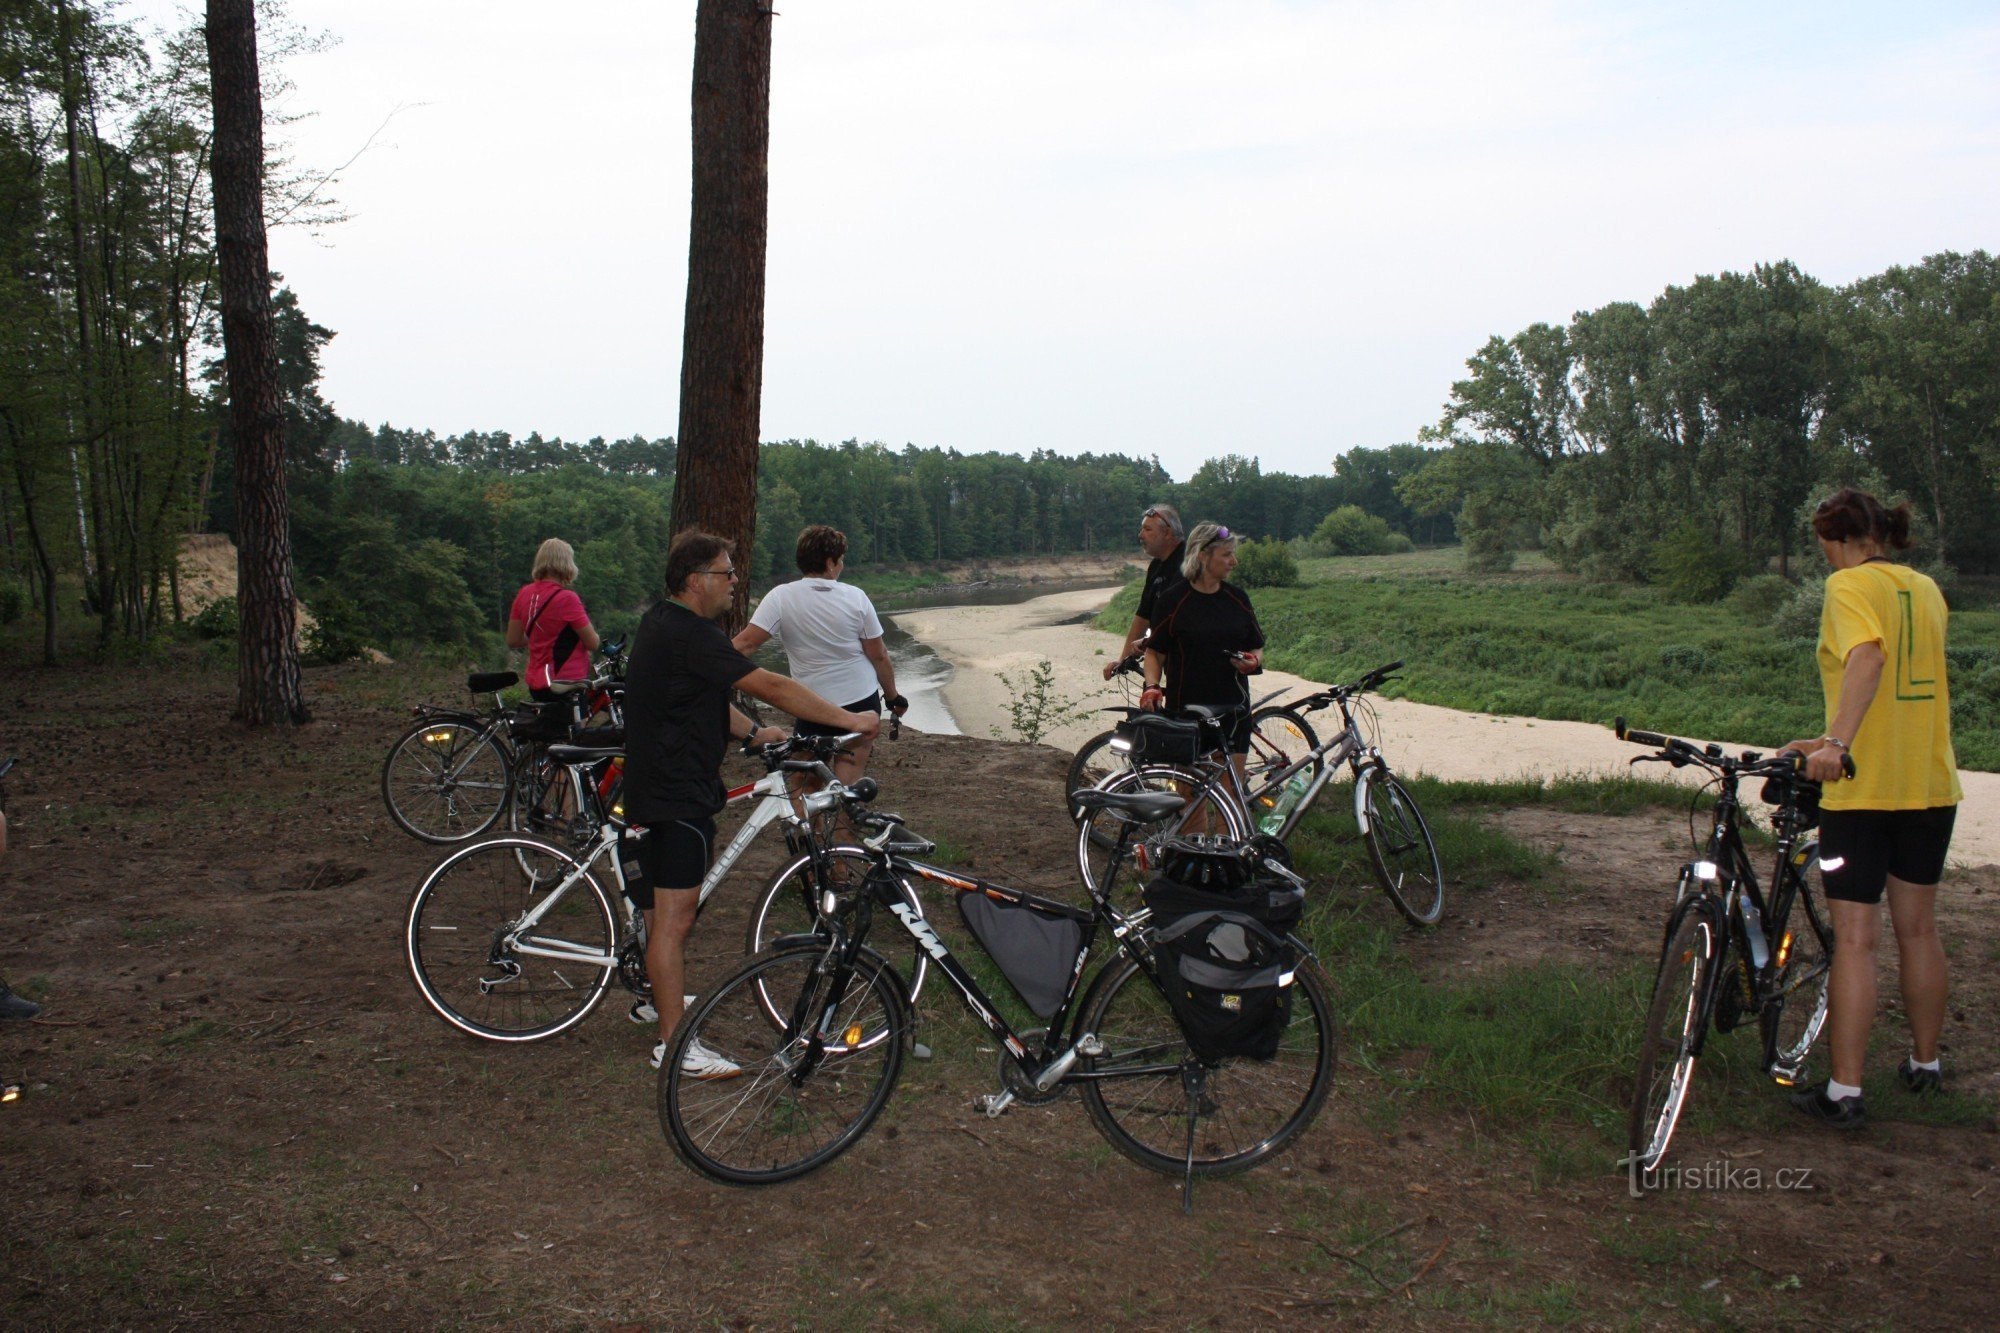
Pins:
x: 1882, y: 667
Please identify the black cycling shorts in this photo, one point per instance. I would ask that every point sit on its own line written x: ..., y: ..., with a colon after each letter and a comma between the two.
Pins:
x: 673, y: 855
x: 1860, y: 849
x: 872, y: 704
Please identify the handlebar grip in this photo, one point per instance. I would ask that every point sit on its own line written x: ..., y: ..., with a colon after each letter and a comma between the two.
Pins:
x: 1637, y: 737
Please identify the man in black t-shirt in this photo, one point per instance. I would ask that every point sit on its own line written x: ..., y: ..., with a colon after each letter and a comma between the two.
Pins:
x: 1160, y: 537
x: 678, y: 722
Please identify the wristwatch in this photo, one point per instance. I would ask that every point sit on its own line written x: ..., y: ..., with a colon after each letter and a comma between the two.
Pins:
x: 1834, y: 741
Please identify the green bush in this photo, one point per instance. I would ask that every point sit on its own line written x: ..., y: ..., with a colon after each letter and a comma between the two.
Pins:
x: 1266, y: 564
x: 1758, y: 598
x: 1690, y: 565
x: 13, y: 599
x: 338, y: 632
x: 1352, y: 530
x: 217, y: 620
x: 1798, y: 617
x: 1686, y: 659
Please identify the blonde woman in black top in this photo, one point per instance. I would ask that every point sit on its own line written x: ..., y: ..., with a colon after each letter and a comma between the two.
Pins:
x: 1206, y: 639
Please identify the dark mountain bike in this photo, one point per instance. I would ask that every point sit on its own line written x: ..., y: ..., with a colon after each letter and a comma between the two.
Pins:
x: 457, y: 772
x: 817, y: 1026
x: 1730, y: 954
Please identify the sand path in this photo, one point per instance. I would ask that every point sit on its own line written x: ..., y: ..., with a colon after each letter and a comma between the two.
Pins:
x: 982, y: 641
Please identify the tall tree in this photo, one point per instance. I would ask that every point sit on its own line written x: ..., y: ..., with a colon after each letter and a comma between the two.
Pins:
x: 268, y: 688
x: 722, y: 341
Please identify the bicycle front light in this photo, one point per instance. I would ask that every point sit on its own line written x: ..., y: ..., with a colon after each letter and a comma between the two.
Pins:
x: 1705, y: 870
x: 1120, y: 744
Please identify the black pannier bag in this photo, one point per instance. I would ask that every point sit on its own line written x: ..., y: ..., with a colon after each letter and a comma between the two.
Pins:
x: 542, y: 722
x: 1036, y: 950
x: 1225, y: 963
x: 1153, y: 739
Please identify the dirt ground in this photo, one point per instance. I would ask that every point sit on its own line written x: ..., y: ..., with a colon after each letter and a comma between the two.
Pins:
x: 237, y: 1112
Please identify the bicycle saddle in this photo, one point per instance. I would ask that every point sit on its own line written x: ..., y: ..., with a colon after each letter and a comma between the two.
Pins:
x: 486, y: 682
x: 584, y: 754
x: 1143, y: 806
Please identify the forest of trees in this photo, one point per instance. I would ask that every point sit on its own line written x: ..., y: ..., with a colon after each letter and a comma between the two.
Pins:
x: 1635, y: 442
x: 1636, y: 438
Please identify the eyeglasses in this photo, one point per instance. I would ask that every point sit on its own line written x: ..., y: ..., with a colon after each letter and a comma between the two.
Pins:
x: 718, y: 573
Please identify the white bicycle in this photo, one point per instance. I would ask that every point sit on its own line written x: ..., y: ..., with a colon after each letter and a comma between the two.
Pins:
x: 516, y: 939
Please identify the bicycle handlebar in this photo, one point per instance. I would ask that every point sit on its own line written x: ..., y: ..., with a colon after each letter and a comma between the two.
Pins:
x: 1680, y: 753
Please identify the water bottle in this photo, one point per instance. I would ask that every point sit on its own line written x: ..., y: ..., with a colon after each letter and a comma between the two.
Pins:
x: 1287, y: 800
x: 1753, y: 927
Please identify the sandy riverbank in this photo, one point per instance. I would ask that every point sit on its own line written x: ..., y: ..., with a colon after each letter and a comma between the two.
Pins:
x: 981, y: 642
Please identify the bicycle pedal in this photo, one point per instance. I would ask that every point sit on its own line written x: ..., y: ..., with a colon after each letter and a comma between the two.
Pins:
x: 919, y: 1051
x: 993, y: 1105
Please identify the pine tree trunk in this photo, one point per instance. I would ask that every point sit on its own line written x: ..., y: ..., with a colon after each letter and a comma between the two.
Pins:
x: 722, y: 345
x: 268, y: 688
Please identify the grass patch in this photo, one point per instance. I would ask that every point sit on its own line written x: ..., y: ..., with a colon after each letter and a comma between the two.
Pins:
x: 1539, y: 643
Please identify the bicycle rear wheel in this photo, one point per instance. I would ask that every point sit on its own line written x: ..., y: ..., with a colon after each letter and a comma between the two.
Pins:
x: 460, y: 940
x: 789, y: 905
x: 1246, y: 1111
x: 1279, y: 738
x: 1671, y: 1044
x: 1095, y: 761
x: 807, y: 1090
x: 1209, y: 810
x: 1795, y: 1011
x: 1399, y: 842
x: 445, y: 780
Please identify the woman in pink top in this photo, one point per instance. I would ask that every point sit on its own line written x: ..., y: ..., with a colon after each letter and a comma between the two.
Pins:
x: 548, y: 620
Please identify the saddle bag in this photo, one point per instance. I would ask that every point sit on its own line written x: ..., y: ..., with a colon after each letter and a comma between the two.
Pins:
x: 1225, y: 962
x: 542, y: 721
x: 1149, y: 738
x: 1035, y: 950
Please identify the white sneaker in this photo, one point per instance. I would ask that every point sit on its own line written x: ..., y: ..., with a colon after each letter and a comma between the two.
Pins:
x: 642, y: 1011
x: 698, y: 1062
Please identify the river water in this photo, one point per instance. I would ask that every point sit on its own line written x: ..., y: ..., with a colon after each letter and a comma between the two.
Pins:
x: 920, y: 673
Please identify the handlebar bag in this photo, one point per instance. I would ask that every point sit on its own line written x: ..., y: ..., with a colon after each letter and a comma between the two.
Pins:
x: 1161, y: 740
x: 1806, y: 802
x: 1225, y: 963
x: 1036, y: 950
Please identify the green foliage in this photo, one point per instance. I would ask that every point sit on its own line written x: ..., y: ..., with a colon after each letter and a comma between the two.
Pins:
x: 1266, y: 564
x: 1758, y: 598
x: 1690, y: 565
x: 1797, y: 617
x: 1034, y: 707
x: 1549, y: 645
x: 1352, y: 530
x: 217, y: 620
x: 338, y: 632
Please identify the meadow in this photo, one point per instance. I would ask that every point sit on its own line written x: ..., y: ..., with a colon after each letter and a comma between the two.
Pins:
x: 1536, y: 642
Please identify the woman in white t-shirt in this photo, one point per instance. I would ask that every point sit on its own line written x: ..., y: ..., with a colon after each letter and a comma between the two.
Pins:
x: 832, y: 638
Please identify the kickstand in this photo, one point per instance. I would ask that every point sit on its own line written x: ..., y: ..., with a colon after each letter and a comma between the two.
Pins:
x: 1191, y: 1081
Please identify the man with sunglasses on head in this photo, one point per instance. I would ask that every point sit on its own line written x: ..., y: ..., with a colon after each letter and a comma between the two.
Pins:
x: 678, y: 721
x: 1160, y: 536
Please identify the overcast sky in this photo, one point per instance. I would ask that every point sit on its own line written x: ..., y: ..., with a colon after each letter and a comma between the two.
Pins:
x: 1172, y: 227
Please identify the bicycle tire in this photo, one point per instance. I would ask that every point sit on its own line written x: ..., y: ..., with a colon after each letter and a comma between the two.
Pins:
x: 1794, y: 1013
x: 453, y: 939
x: 1671, y: 1044
x: 772, y: 1122
x: 1209, y: 804
x: 788, y: 905
x: 446, y: 780
x: 1093, y: 762
x: 1401, y: 846
x: 1279, y: 738
x: 547, y: 805
x: 1256, y: 1107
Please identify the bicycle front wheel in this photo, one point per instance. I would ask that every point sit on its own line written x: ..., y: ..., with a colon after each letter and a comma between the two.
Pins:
x: 1795, y: 1011
x: 1399, y: 842
x: 1279, y: 738
x: 801, y: 1093
x: 474, y: 964
x: 445, y: 780
x: 1670, y: 1046
x: 1147, y: 1085
x: 789, y: 905
x: 1209, y: 810
x: 1095, y: 761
